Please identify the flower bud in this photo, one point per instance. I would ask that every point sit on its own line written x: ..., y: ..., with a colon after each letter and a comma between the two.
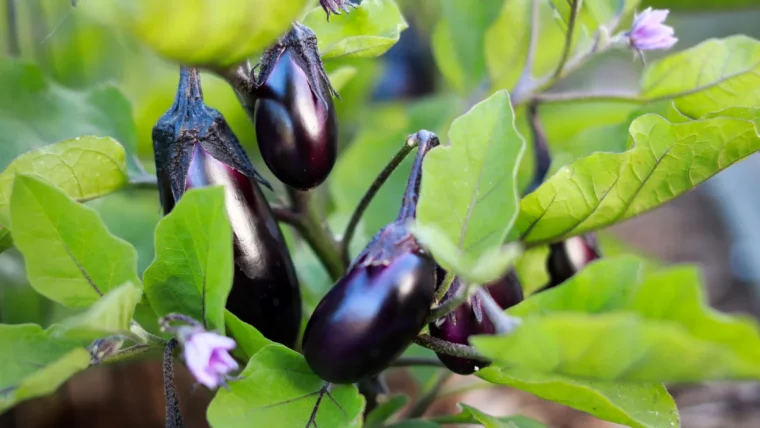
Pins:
x: 649, y: 32
x: 195, y: 147
x: 296, y: 124
x: 376, y: 310
x: 207, y: 355
x: 336, y: 6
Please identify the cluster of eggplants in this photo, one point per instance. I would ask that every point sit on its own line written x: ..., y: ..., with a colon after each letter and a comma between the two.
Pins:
x: 194, y: 147
x: 296, y: 124
x: 379, y: 306
x: 469, y: 319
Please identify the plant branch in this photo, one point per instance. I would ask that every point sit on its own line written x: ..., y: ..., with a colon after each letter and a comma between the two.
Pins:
x: 417, y: 361
x: 440, y: 293
x: 448, y: 348
x: 424, y: 402
x: 574, y: 6
x: 525, y: 79
x: 14, y: 49
x: 144, y: 336
x: 380, y: 180
x: 127, y: 353
x: 173, y: 412
x: 604, y: 95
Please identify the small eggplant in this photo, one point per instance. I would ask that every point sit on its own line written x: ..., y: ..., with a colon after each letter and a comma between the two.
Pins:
x: 296, y: 124
x: 376, y: 310
x: 194, y: 147
x: 470, y: 319
x: 566, y: 258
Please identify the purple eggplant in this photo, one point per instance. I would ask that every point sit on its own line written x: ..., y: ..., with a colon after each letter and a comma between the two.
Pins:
x: 194, y: 147
x: 567, y: 257
x: 470, y: 319
x: 374, y: 312
x: 296, y: 124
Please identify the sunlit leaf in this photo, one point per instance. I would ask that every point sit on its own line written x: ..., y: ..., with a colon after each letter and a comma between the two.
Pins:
x: 109, y: 315
x: 249, y: 340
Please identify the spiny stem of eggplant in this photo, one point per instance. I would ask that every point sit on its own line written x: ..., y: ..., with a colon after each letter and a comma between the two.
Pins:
x: 380, y: 180
x: 173, y: 413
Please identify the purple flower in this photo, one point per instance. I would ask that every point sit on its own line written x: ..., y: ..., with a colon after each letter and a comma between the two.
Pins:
x: 207, y: 356
x: 649, y: 32
x: 336, y: 6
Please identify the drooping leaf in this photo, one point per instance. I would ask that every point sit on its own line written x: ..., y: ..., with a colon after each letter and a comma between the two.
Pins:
x: 34, y: 363
x: 620, y: 319
x: 249, y: 340
x: 378, y: 417
x: 84, y: 168
x: 193, y: 269
x: 471, y: 415
x: 35, y: 112
x: 369, y: 30
x: 667, y: 160
x: 292, y: 394
x: 469, y: 189
x: 109, y: 315
x: 637, y: 405
x: 70, y: 255
x: 712, y: 76
x: 204, y: 32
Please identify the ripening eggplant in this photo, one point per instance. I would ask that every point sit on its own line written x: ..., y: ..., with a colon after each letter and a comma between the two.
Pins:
x: 296, y: 124
x: 194, y: 147
x: 566, y: 258
x: 379, y: 306
x: 470, y: 319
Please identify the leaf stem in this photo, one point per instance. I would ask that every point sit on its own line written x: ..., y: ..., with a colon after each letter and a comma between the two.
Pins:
x: 173, y: 412
x: 448, y: 348
x: 144, y: 336
x: 380, y: 180
x: 524, y: 82
x: 440, y: 293
x: 606, y: 95
x: 429, y: 397
x: 574, y: 6
x: 14, y: 49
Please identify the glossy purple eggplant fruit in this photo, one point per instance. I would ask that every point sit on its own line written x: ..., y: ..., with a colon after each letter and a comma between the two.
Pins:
x: 296, y: 124
x: 194, y: 147
x: 566, y: 258
x: 374, y: 312
x: 470, y: 319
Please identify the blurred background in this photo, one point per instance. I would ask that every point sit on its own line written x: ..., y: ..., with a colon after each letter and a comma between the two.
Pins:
x: 78, y: 59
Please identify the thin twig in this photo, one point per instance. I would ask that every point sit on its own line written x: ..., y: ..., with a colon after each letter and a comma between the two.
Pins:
x: 605, y: 95
x: 14, y: 48
x: 428, y: 398
x: 417, y: 361
x: 173, y: 412
x: 527, y: 73
x: 448, y: 348
x: 574, y: 6
x: 285, y: 215
x: 380, y: 180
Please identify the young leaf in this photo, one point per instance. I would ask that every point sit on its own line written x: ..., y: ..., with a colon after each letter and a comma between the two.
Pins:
x: 469, y: 191
x: 471, y: 415
x: 249, y: 340
x: 84, y: 168
x: 667, y: 160
x: 293, y: 397
x: 637, y: 405
x: 621, y: 319
x: 109, y: 315
x: 70, y: 255
x: 34, y: 364
x: 367, y: 31
x: 35, y: 112
x: 712, y: 76
x: 193, y: 269
x: 385, y: 411
x: 205, y: 32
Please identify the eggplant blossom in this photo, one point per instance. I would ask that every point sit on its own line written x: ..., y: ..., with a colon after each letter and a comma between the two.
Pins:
x: 649, y: 32
x: 336, y: 6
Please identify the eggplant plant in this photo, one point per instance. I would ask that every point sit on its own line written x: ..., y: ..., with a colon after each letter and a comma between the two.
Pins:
x: 292, y: 232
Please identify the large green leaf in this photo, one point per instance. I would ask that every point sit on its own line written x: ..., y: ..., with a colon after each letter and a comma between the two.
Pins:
x: 292, y: 394
x: 203, y: 32
x: 638, y: 405
x: 667, y: 160
x: 35, y: 112
x: 367, y: 31
x: 84, y: 168
x: 249, y: 340
x: 471, y: 415
x: 35, y: 364
x: 469, y: 191
x: 622, y: 319
x: 109, y: 315
x: 712, y: 76
x: 193, y: 270
x: 70, y: 255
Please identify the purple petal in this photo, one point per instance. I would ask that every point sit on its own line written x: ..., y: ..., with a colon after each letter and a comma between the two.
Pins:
x: 212, y: 340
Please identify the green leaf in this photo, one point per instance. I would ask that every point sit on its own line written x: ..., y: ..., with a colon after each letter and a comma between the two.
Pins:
x: 469, y: 191
x: 385, y: 411
x: 70, y: 255
x: 109, y: 315
x: 35, y: 112
x: 193, y: 270
x: 712, y: 76
x: 486, y: 268
x: 34, y: 364
x: 414, y: 423
x: 637, y: 405
x: 367, y: 31
x: 621, y: 319
x: 249, y: 340
x: 205, y: 32
x: 667, y: 160
x: 341, y: 76
x: 6, y: 240
x: 84, y: 168
x: 531, y: 268
x: 291, y: 394
x: 471, y: 415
